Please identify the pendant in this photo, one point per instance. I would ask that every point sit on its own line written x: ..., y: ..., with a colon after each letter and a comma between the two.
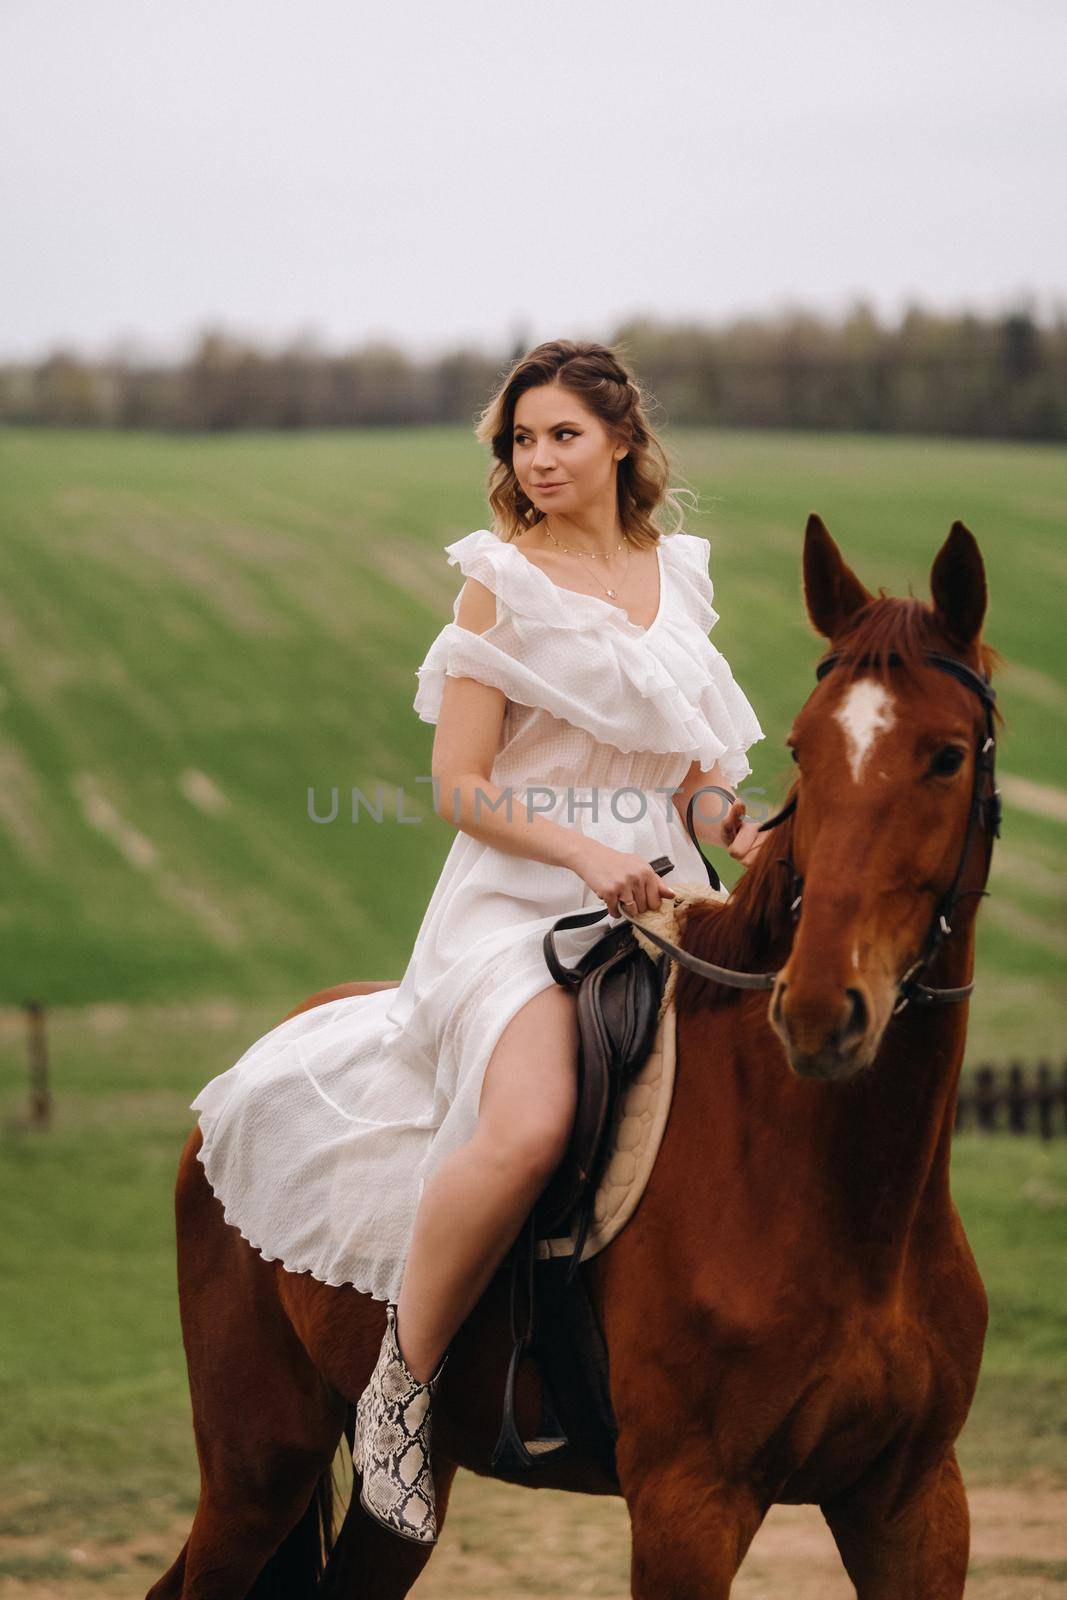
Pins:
x: 610, y: 592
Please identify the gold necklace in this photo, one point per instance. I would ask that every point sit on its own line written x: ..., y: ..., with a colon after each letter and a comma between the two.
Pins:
x: 597, y: 555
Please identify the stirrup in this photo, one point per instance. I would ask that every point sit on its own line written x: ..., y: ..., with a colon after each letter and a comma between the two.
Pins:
x: 550, y: 1443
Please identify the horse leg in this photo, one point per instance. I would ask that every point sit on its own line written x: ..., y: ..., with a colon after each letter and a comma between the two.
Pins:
x: 266, y: 1422
x: 342, y: 1332
x: 370, y: 1563
x: 241, y: 1530
x: 915, y: 1552
x: 690, y: 1530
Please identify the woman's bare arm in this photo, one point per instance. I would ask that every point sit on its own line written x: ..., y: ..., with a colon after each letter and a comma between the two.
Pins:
x: 711, y: 810
x: 464, y: 749
x: 714, y: 821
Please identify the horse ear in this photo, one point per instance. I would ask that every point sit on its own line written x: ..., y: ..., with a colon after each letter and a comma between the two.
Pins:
x: 957, y: 583
x: 831, y: 589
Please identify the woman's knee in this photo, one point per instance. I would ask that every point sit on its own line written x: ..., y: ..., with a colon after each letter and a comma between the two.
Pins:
x: 529, y: 1153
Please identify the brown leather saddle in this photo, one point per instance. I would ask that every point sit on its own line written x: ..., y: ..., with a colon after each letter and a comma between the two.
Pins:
x: 619, y: 989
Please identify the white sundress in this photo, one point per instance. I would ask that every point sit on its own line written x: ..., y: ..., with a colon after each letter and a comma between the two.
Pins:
x: 319, y: 1139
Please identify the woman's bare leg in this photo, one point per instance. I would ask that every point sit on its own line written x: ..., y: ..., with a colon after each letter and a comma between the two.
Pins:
x: 473, y: 1206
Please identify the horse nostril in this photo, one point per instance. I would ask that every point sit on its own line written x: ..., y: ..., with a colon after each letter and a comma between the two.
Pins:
x: 859, y: 1017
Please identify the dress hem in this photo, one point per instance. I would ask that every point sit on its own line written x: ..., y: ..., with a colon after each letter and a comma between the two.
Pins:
x: 375, y: 1292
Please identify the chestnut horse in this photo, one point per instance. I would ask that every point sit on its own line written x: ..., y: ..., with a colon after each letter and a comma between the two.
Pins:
x: 793, y: 1314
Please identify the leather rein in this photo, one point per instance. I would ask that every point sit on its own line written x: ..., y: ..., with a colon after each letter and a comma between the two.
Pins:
x: 985, y: 811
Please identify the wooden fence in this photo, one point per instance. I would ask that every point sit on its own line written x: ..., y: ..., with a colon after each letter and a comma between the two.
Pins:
x: 1014, y: 1099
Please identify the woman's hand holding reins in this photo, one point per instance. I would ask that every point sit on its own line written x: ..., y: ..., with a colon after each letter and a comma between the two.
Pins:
x: 742, y: 839
x: 626, y: 883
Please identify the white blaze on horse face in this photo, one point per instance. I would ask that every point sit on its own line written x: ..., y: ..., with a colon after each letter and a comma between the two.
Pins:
x: 864, y: 713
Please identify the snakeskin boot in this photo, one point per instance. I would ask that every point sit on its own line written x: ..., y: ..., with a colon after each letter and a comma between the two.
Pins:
x: 392, y: 1443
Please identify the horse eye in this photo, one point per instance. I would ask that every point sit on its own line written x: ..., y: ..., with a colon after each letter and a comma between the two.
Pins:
x: 793, y: 753
x: 948, y: 761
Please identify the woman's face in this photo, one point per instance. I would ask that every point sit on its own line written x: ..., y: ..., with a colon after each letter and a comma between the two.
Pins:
x: 558, y: 440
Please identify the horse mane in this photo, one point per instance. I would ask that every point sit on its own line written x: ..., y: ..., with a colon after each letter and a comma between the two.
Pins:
x: 743, y: 932
x: 896, y: 631
x: 740, y: 932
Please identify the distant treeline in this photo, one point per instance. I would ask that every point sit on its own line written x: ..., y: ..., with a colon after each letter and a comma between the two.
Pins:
x: 999, y: 377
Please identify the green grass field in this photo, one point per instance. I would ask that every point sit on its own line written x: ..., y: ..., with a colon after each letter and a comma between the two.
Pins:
x: 192, y: 633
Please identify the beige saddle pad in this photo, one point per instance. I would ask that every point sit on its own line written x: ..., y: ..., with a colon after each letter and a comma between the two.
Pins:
x: 641, y: 1113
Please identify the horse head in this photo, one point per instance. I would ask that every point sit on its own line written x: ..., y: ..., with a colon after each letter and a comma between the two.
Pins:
x: 894, y: 757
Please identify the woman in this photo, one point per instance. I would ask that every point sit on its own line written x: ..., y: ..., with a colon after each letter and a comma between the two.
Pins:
x: 395, y: 1141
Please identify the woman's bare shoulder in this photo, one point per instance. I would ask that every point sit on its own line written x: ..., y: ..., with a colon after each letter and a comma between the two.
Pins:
x: 477, y: 606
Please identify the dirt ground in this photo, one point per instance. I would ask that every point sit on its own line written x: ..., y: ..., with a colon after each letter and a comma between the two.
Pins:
x: 503, y: 1543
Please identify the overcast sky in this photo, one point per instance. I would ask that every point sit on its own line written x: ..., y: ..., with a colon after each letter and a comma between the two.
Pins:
x: 488, y: 169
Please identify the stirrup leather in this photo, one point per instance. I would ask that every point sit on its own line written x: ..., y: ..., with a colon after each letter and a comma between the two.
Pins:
x: 550, y: 1443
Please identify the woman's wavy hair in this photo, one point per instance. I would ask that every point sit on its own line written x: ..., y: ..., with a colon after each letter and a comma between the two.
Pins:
x: 597, y: 375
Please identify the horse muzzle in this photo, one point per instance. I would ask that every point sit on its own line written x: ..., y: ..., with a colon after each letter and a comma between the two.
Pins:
x: 829, y: 1033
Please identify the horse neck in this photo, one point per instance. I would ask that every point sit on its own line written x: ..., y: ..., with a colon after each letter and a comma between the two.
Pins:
x: 897, y: 1125
x: 858, y: 1163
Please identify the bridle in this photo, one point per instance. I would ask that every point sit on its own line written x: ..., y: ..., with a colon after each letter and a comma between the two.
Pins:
x: 985, y: 811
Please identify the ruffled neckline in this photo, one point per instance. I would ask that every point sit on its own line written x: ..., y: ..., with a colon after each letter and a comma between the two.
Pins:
x: 664, y: 688
x: 565, y: 607
x: 619, y: 616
